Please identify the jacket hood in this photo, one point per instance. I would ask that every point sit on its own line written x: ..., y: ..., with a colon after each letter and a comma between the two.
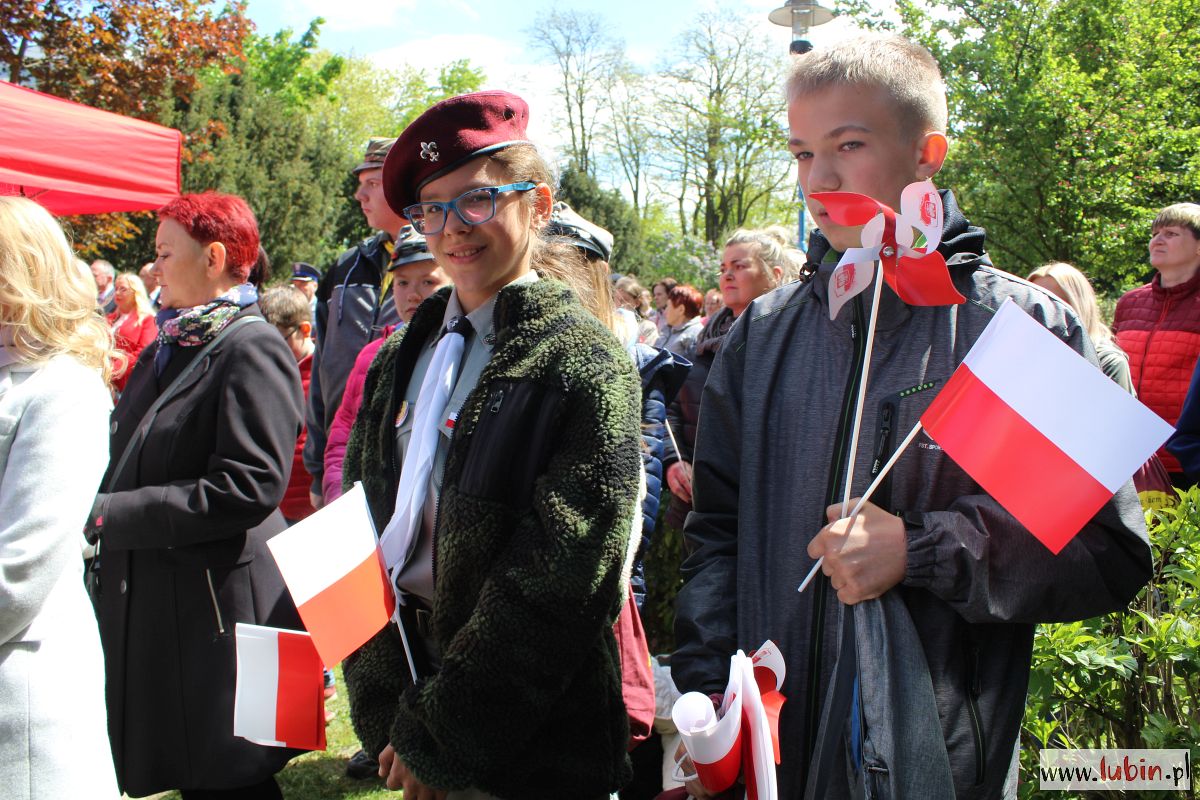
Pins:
x: 671, y: 368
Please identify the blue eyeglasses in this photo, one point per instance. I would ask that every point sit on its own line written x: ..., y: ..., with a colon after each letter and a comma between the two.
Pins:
x: 473, y: 208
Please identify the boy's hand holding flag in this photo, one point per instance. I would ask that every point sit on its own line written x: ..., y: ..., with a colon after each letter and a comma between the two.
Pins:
x: 1047, y: 434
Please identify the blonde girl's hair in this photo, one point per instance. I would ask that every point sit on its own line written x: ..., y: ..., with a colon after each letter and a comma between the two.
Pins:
x: 140, y: 298
x: 47, y: 306
x: 1079, y: 296
x: 770, y: 248
x: 630, y: 286
x: 554, y: 257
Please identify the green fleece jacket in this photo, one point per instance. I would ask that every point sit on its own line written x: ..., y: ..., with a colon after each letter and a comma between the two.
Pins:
x: 533, y: 522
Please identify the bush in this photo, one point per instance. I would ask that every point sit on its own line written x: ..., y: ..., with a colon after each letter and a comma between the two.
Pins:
x: 1131, y: 679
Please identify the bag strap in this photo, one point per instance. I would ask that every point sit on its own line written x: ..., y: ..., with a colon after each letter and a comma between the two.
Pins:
x: 135, y: 442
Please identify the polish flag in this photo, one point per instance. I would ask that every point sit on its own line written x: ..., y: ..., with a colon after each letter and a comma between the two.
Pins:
x: 714, y: 741
x: 1040, y: 428
x: 333, y: 567
x: 742, y: 737
x: 279, y: 697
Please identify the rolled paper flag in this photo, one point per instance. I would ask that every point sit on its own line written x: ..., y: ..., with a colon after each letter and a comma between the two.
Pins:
x: 760, y: 749
x: 714, y: 743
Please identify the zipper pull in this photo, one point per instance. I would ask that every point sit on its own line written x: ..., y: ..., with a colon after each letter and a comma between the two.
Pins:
x: 885, y: 435
x: 976, y: 683
x: 495, y: 409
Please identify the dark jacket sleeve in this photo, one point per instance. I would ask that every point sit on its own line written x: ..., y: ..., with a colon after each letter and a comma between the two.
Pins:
x: 1185, y: 443
x: 653, y: 434
x: 980, y: 560
x: 706, y: 607
x: 314, y: 409
x: 551, y: 589
x: 259, y: 410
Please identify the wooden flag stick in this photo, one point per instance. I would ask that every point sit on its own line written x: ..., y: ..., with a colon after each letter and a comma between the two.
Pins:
x: 891, y: 462
x: 862, y: 388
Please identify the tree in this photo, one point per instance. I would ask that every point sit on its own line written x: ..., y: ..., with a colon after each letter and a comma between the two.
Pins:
x: 722, y: 109
x: 124, y: 56
x: 283, y: 131
x: 629, y: 134
x: 1072, y: 121
x: 587, y: 56
x: 139, y: 58
x: 417, y: 92
x: 293, y: 71
x: 608, y: 209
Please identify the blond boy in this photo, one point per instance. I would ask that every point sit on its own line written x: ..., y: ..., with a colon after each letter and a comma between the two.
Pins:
x: 908, y: 658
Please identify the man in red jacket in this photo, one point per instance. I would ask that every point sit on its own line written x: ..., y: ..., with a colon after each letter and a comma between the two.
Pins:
x: 1158, y: 324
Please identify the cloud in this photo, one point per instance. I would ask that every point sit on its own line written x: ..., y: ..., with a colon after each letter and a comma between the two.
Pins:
x: 506, y: 64
x: 348, y: 16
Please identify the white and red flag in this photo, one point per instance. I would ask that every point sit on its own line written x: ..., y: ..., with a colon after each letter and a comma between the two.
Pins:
x: 741, y: 738
x: 333, y: 567
x: 1041, y: 429
x: 279, y: 698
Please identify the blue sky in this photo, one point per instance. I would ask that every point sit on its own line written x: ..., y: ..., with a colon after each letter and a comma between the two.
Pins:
x: 367, y: 27
x: 431, y: 33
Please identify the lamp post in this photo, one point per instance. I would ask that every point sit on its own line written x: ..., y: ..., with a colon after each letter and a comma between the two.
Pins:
x: 800, y: 16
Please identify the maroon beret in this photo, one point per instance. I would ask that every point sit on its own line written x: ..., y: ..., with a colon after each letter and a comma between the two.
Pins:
x: 446, y: 136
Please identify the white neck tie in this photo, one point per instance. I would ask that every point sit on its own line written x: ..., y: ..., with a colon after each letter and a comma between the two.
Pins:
x: 400, y: 536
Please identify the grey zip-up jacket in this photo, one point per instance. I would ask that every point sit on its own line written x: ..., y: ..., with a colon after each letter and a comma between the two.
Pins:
x: 350, y: 313
x: 943, y: 693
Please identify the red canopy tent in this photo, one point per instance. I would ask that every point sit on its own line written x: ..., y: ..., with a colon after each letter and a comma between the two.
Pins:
x: 75, y: 159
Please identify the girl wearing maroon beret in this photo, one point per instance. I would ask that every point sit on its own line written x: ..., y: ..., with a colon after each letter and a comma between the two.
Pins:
x: 498, y: 444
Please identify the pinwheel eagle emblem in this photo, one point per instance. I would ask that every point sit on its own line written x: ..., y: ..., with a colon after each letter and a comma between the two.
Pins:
x: 917, y: 273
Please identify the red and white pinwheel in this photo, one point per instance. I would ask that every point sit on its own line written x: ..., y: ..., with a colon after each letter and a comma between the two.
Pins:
x: 917, y: 274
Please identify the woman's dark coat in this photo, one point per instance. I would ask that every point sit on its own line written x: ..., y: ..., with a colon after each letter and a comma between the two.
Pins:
x: 183, y: 558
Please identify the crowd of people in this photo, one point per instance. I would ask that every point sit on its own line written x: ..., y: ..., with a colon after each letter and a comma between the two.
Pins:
x: 513, y: 411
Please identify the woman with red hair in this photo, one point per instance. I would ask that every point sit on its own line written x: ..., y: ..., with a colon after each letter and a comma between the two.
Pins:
x: 684, y: 304
x: 201, y: 444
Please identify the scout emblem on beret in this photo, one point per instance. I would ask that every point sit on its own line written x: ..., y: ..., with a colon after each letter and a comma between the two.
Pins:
x: 429, y: 150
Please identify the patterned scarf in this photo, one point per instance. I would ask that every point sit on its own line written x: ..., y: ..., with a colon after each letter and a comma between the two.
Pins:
x: 198, y: 325
x: 709, y: 340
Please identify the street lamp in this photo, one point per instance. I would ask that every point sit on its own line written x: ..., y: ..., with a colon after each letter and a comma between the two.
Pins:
x: 800, y: 16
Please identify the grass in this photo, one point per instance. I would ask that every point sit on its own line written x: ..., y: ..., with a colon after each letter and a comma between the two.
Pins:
x: 322, y: 775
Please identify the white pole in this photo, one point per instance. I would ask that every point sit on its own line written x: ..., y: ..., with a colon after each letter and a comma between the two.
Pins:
x: 862, y: 388
x: 674, y: 443
x: 891, y: 462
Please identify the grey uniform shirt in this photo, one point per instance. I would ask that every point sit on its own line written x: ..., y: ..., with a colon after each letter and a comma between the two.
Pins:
x: 416, y: 576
